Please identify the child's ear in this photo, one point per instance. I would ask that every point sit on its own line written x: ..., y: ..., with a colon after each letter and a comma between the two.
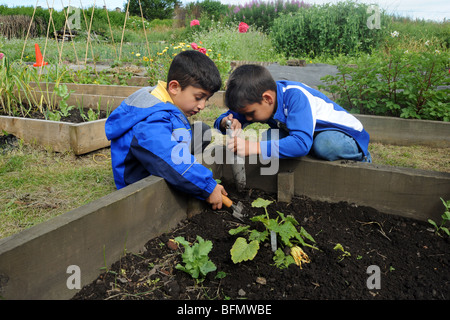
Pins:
x: 173, y: 87
x: 269, y: 97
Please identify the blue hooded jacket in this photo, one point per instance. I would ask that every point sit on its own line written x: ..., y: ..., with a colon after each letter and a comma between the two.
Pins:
x: 152, y: 137
x: 303, y: 111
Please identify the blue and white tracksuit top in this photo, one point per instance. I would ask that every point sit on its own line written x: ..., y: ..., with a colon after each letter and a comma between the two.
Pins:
x: 303, y: 111
x: 152, y: 137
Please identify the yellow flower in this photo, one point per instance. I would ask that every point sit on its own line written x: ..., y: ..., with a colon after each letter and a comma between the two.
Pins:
x: 138, y: 54
x: 299, y: 256
x: 145, y: 59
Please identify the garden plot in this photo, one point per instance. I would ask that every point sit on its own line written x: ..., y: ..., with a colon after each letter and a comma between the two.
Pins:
x: 357, y: 253
x: 97, y: 235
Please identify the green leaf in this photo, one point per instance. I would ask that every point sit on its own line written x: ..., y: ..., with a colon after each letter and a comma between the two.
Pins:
x: 306, y: 235
x: 261, y: 203
x: 281, y: 260
x: 258, y: 236
x: 242, y: 251
x: 432, y: 223
x: 207, y: 267
x: 238, y: 230
x: 204, y: 247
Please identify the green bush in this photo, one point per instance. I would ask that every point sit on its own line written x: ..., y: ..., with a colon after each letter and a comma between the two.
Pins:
x: 209, y: 8
x: 332, y: 29
x: 261, y: 14
x: 396, y: 82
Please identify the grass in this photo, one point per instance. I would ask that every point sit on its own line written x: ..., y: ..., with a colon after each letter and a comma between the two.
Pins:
x: 37, y: 184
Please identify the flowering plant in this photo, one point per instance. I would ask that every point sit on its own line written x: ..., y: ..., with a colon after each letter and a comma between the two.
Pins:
x: 195, y: 22
x: 243, y: 27
x: 195, y: 46
x: 1, y: 55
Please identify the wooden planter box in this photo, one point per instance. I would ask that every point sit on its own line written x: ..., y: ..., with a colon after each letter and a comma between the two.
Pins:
x: 59, y: 136
x: 34, y: 263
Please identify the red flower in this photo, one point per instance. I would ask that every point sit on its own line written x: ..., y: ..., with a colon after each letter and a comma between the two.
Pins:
x: 195, y: 22
x: 202, y: 50
x: 194, y: 46
x: 243, y: 27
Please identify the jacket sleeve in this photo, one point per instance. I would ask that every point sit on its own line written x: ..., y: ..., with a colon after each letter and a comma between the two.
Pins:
x: 236, y: 115
x: 300, y: 123
x: 165, y: 152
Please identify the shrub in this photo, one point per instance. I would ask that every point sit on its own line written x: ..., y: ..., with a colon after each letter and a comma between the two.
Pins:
x: 261, y: 14
x: 328, y: 29
x: 396, y: 82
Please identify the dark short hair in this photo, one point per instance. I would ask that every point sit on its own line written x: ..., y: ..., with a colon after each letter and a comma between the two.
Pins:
x: 246, y: 85
x: 193, y: 68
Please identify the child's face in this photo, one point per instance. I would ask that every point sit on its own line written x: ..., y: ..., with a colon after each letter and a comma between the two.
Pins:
x: 191, y: 100
x: 260, y: 111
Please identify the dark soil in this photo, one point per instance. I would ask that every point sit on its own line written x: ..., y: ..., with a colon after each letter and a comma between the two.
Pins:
x: 413, y: 260
x: 74, y: 115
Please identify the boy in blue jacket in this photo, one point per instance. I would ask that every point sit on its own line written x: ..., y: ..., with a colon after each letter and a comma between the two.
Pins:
x: 308, y: 121
x: 151, y: 135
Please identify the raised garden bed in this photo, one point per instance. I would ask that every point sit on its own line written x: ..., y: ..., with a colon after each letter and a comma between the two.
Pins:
x: 89, y: 136
x: 72, y: 133
x: 413, y: 261
x: 34, y: 263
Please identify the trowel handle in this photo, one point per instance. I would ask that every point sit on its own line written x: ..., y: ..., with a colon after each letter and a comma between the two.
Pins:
x: 226, y: 201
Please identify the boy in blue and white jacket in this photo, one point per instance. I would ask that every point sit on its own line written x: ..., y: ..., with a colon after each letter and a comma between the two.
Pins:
x: 308, y: 121
x: 151, y: 135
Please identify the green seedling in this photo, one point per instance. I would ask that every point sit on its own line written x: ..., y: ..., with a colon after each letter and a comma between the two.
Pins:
x: 284, y: 229
x: 63, y: 92
x: 195, y: 258
x: 445, y: 218
x: 344, y: 254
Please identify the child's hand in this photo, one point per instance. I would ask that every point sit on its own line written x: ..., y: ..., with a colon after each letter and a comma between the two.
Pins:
x: 215, y: 198
x: 236, y: 126
x: 243, y: 147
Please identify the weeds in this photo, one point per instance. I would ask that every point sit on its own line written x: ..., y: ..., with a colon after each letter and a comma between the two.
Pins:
x: 445, y: 217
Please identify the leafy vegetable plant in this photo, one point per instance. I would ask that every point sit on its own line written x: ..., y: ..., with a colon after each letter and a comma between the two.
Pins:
x: 195, y: 258
x: 63, y: 92
x: 285, y: 230
x: 445, y: 218
x: 341, y: 248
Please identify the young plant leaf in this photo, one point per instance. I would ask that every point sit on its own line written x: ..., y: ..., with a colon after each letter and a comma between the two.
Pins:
x: 261, y: 203
x: 242, y: 251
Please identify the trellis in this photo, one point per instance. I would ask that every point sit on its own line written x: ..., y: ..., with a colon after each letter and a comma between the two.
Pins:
x: 88, y: 25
